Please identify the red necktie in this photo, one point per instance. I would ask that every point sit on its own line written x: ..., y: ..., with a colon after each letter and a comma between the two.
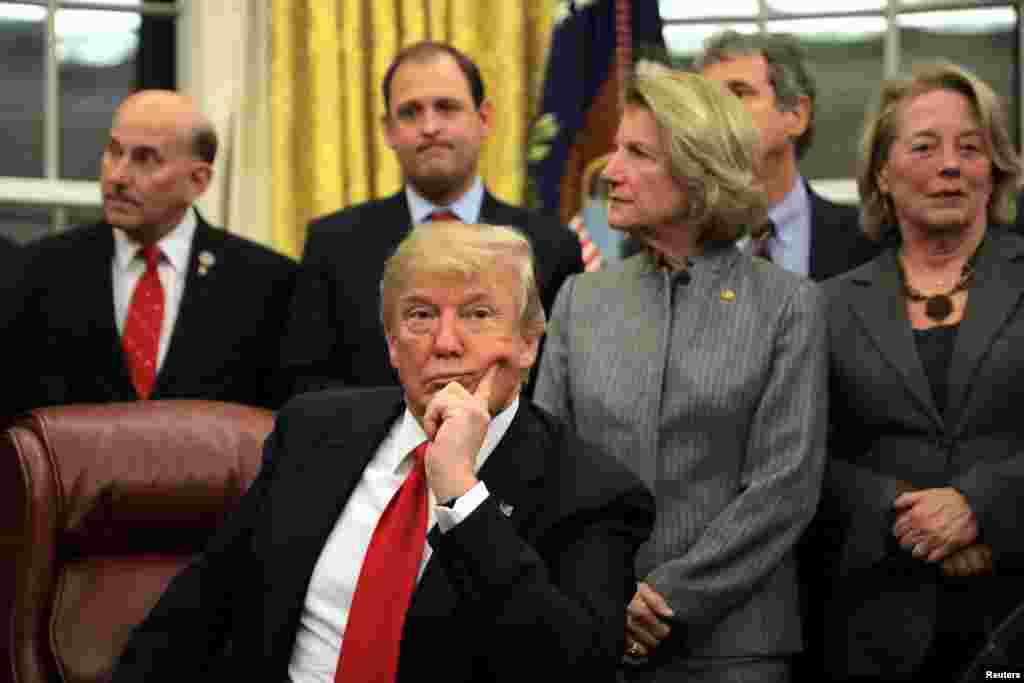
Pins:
x: 141, y: 337
x: 369, y: 650
x: 444, y: 215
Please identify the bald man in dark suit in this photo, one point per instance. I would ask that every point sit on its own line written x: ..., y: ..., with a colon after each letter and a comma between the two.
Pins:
x: 222, y: 299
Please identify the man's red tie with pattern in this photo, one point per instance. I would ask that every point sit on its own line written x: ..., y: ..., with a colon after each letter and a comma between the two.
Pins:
x: 444, y: 215
x: 141, y: 337
x: 369, y: 650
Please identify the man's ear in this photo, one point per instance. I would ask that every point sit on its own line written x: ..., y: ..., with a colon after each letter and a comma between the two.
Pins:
x: 528, y: 355
x: 487, y: 114
x: 200, y: 177
x: 389, y: 132
x: 801, y: 118
x: 392, y: 350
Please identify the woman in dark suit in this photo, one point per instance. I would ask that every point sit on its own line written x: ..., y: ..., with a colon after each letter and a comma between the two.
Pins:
x: 924, y: 487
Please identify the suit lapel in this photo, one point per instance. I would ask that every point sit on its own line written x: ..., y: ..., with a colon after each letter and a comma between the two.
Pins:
x: 199, y: 310
x: 877, y: 302
x: 514, y: 476
x: 401, y: 214
x: 311, y: 492
x: 819, y: 251
x: 996, y: 293
x: 497, y: 213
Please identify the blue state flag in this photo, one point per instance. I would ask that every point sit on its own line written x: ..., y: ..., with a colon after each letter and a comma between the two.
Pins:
x: 580, y: 76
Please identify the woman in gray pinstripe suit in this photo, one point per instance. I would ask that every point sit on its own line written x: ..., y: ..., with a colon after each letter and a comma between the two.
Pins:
x: 704, y: 369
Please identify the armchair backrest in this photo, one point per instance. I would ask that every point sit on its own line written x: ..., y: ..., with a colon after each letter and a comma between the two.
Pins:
x: 100, y: 506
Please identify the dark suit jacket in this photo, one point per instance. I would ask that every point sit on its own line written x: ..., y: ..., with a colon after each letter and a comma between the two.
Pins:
x: 8, y: 250
x: 226, y: 339
x: 538, y: 594
x: 10, y: 274
x: 837, y: 242
x: 335, y: 335
x: 886, y: 429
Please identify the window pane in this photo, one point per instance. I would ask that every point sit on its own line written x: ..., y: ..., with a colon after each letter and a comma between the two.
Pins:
x: 922, y: 3
x: 688, y: 9
x: 802, y: 6
x: 845, y: 57
x: 982, y: 40
x: 684, y: 42
x: 24, y: 223
x: 97, y: 52
x: 22, y: 44
x: 27, y: 223
x: 124, y: 3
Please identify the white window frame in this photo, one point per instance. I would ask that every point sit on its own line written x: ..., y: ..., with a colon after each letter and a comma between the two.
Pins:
x: 51, y: 191
x: 845, y: 189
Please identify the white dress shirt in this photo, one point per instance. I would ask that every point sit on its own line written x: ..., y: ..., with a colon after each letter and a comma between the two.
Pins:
x: 332, y: 585
x: 128, y: 267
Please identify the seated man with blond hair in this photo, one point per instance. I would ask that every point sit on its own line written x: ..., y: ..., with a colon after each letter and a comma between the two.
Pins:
x: 327, y: 571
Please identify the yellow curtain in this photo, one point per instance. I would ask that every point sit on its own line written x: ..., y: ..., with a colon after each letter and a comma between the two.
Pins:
x: 328, y: 61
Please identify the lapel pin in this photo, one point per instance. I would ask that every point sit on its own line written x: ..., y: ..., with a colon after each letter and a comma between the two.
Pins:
x: 728, y: 295
x: 506, y: 509
x: 206, y: 261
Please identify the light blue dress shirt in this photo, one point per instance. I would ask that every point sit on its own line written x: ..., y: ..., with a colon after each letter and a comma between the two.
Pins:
x: 466, y: 207
x: 790, y: 248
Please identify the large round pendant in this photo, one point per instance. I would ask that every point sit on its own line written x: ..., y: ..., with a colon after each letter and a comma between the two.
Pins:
x: 938, y: 307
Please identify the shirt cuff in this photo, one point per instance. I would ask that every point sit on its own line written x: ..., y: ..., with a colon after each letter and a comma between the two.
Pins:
x: 448, y: 518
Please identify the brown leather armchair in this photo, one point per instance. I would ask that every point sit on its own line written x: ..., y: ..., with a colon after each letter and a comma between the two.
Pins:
x: 100, y: 505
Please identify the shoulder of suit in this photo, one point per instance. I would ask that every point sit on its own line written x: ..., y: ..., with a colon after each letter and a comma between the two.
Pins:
x: 332, y: 409
x: 535, y: 223
x: 585, y: 472
x: 774, y: 287
x: 254, y: 253
x: 64, y: 243
x: 863, y: 273
x: 8, y: 246
x: 609, y: 283
x: 836, y: 215
x: 344, y: 219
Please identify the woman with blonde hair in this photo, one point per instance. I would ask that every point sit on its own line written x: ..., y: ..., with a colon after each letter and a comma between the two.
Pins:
x: 925, y: 483
x: 703, y: 369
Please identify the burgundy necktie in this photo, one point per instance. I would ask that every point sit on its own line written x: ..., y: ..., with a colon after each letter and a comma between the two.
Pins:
x: 141, y: 337
x: 444, y: 215
x: 369, y: 650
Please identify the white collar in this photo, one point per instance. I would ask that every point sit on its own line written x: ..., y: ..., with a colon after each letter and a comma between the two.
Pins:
x: 175, y: 245
x: 409, y: 434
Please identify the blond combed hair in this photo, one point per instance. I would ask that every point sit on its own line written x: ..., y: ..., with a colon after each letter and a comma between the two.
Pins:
x: 466, y: 251
x: 881, y: 127
x: 711, y: 142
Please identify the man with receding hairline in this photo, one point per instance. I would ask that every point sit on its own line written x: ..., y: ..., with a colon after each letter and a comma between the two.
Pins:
x: 152, y: 302
x: 444, y: 530
x: 437, y: 119
x: 812, y: 235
